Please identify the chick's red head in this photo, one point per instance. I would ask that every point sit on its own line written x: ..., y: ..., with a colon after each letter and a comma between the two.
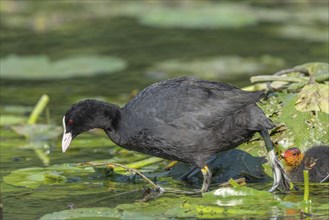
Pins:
x: 292, y: 157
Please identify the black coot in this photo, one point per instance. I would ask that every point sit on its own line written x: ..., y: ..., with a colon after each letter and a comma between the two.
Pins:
x: 184, y: 119
x: 315, y: 159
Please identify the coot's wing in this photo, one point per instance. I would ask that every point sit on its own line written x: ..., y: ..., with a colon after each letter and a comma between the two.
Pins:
x: 188, y: 101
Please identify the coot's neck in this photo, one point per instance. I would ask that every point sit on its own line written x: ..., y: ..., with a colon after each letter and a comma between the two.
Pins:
x: 105, y: 116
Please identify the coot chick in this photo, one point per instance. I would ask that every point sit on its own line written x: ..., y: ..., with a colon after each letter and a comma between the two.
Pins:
x: 184, y: 119
x: 315, y: 159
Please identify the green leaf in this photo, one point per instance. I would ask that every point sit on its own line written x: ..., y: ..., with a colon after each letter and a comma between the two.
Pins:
x: 11, y: 120
x: 35, y: 176
x: 315, y: 68
x: 83, y: 213
x: 38, y: 132
x: 295, y: 128
x: 236, y: 192
x: 178, y: 207
x: 221, y: 67
x: 40, y: 67
x: 313, y: 33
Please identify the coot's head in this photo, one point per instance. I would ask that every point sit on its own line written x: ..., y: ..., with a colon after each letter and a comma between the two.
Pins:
x: 292, y: 157
x: 81, y: 117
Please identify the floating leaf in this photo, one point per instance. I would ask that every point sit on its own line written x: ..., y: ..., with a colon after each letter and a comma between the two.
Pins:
x: 207, y: 16
x: 11, y: 120
x: 83, y: 213
x: 40, y: 67
x: 253, y: 203
x: 314, y: 97
x: 237, y: 192
x: 35, y: 176
x: 16, y: 109
x: 295, y: 128
x: 215, y: 67
x: 312, y: 33
x: 320, y: 71
x: 38, y: 132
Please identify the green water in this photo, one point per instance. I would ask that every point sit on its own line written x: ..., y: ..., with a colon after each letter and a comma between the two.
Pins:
x: 141, y: 46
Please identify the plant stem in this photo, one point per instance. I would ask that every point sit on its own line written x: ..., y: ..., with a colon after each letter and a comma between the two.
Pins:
x: 39, y: 107
x: 145, y: 162
x: 306, y: 185
x: 233, y: 183
x: 267, y: 78
x: 124, y: 167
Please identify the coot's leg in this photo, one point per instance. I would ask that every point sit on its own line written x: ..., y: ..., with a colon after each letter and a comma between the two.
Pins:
x: 189, y: 173
x: 206, y: 172
x: 194, y: 170
x: 280, y: 179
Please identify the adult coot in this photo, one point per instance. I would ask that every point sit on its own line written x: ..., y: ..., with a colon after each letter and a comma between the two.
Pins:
x: 315, y: 159
x: 184, y: 119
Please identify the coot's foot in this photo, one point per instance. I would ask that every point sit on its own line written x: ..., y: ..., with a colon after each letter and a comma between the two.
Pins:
x: 206, y: 173
x: 194, y: 170
x: 280, y: 180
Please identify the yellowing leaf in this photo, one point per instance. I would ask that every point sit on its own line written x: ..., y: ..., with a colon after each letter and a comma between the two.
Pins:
x: 314, y: 97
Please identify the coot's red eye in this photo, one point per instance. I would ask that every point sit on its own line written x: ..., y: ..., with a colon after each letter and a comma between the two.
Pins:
x: 70, y: 122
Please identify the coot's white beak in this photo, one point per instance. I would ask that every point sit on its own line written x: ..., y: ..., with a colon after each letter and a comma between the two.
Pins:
x: 67, y: 138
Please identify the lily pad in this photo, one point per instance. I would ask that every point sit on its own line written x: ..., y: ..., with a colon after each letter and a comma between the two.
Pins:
x: 40, y: 67
x: 195, y: 15
x: 35, y: 176
x: 311, y: 33
x: 11, y: 120
x: 236, y: 192
x: 296, y: 128
x: 206, y: 16
x: 295, y: 15
x: 216, y: 67
x: 238, y: 202
x: 320, y: 71
x: 38, y: 132
x: 314, y: 97
x: 16, y: 109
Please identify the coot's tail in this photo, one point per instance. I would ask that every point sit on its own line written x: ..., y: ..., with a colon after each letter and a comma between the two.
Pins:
x: 258, y: 120
x: 252, y: 117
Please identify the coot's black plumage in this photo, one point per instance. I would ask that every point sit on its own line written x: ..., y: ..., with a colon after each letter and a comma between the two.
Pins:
x: 315, y: 159
x: 183, y: 119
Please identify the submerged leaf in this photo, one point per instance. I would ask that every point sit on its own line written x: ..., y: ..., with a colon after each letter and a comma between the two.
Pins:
x: 314, y: 97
